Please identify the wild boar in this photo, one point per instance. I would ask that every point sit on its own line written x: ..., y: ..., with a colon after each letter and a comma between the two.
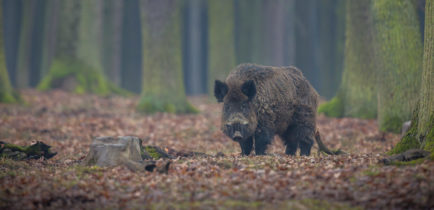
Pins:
x: 262, y: 101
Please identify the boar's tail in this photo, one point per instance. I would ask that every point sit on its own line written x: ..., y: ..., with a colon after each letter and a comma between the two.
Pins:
x: 323, y: 148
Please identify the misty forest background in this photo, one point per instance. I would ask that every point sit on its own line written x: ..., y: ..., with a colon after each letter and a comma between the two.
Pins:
x: 370, y: 59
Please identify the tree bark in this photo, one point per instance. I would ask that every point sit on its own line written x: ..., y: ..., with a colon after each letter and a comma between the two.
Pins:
x: 112, y: 25
x: 221, y: 40
x: 398, y: 53
x: 24, y: 45
x: 357, y: 95
x: 7, y: 94
x: 163, y: 88
x: 331, y: 26
x: 77, y: 62
x: 249, y: 31
x: 426, y: 107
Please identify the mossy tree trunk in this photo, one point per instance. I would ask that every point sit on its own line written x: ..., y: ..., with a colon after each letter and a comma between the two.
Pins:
x: 421, y: 133
x: 221, y: 40
x: 426, y: 107
x: 382, y: 63
x: 7, y: 94
x: 398, y: 53
x: 249, y: 31
x: 77, y: 62
x: 357, y: 96
x: 163, y: 88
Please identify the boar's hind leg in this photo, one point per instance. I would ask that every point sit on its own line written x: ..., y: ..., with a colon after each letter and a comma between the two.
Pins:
x: 305, y: 140
x: 304, y: 128
x: 263, y: 138
x: 290, y: 141
x: 246, y: 146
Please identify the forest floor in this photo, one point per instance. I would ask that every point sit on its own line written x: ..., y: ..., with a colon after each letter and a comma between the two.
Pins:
x: 69, y: 122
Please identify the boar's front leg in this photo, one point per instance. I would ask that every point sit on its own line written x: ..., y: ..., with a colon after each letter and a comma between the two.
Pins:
x: 246, y: 146
x: 263, y: 137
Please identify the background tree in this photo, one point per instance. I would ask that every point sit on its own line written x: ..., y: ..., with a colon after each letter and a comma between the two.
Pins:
x: 331, y: 32
x: 112, y: 39
x: 12, y: 10
x: 279, y: 32
x: 421, y: 133
x: 24, y: 47
x: 249, y: 31
x: 382, y: 63
x: 194, y: 46
x: 163, y: 88
x: 7, y: 94
x: 131, y: 47
x: 307, y: 54
x: 398, y: 53
x: 357, y: 95
x: 221, y: 41
x: 76, y: 65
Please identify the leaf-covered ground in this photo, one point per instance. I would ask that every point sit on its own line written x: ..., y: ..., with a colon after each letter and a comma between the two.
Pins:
x: 69, y: 122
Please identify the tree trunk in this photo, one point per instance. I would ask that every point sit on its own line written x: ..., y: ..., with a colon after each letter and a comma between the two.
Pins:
x: 24, y: 46
x: 131, y: 47
x: 163, y: 88
x: 76, y: 65
x: 279, y: 36
x: 89, y: 49
x: 331, y: 19
x: 194, y: 46
x: 249, y: 31
x: 421, y: 133
x: 49, y: 38
x: 426, y: 107
x: 7, y: 94
x: 307, y: 48
x: 221, y: 40
x: 12, y: 24
x: 357, y: 96
x: 398, y: 50
x: 36, y: 45
x: 112, y: 23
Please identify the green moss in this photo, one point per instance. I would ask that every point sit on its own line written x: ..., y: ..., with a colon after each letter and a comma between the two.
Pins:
x: 429, y: 138
x: 409, y: 141
x: 409, y: 163
x: 153, y: 152
x: 77, y: 77
x: 36, y: 150
x: 391, y: 124
x: 152, y: 104
x: 333, y: 108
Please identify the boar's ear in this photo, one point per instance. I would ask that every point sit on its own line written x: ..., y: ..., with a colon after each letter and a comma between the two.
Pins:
x: 249, y: 89
x: 220, y: 90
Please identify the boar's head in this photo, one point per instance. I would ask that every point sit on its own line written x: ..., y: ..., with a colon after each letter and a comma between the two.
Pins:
x: 239, y: 115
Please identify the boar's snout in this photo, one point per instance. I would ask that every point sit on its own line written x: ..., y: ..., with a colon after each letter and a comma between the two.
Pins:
x: 237, y: 130
x: 237, y: 136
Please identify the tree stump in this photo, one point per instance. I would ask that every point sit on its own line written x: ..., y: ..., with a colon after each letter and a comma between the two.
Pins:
x: 122, y: 150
